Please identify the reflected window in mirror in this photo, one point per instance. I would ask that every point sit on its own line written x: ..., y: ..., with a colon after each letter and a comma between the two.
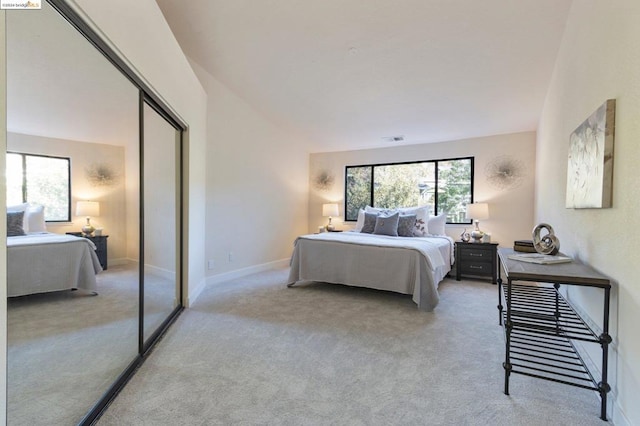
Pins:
x: 40, y: 180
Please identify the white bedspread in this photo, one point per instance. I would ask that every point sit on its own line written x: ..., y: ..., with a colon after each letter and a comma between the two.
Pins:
x: 404, y: 265
x: 40, y: 263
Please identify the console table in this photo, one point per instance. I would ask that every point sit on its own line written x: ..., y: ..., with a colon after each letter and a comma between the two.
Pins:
x: 540, y: 325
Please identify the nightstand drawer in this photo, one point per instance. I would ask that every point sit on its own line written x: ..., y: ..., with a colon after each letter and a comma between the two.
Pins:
x: 476, y: 268
x: 472, y: 254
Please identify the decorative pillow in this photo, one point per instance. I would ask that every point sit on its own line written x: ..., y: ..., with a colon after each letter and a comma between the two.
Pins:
x: 387, y: 225
x: 422, y: 217
x: 369, y: 223
x: 436, y: 224
x: 34, y: 219
x: 360, y: 221
x: 406, y: 225
x: 14, y: 224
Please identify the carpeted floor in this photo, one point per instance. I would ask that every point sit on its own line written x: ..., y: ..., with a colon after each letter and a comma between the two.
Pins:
x: 66, y: 348
x: 254, y: 352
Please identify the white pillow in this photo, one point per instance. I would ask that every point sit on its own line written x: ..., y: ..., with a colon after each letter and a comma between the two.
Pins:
x: 360, y: 221
x: 17, y: 208
x: 34, y: 219
x: 436, y: 224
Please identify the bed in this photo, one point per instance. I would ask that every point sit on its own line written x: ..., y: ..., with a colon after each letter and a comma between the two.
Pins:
x: 407, y: 265
x: 46, y: 262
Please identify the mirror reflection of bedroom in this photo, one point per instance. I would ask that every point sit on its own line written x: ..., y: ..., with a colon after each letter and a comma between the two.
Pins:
x: 73, y: 200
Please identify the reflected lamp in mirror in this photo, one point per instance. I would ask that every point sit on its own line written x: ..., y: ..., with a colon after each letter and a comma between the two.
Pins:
x: 88, y: 209
x: 329, y: 210
x: 477, y: 212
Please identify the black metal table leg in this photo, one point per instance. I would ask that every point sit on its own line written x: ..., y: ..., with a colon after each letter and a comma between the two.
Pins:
x: 508, y: 326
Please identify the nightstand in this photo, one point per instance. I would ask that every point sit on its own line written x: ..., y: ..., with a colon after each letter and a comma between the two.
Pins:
x: 477, y: 260
x: 101, y: 247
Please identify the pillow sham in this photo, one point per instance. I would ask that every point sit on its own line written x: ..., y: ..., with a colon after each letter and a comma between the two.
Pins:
x: 34, y: 219
x: 436, y: 224
x: 360, y: 221
x: 406, y: 225
x: 17, y: 208
x: 14, y: 224
x: 369, y: 223
x: 387, y: 225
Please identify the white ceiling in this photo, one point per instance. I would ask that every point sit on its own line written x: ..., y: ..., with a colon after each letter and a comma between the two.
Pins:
x: 343, y: 74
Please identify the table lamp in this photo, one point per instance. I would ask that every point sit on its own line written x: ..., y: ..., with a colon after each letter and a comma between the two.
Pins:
x: 88, y: 209
x: 477, y: 212
x: 329, y: 210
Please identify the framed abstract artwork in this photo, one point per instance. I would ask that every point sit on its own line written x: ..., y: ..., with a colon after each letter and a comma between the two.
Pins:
x: 590, y: 165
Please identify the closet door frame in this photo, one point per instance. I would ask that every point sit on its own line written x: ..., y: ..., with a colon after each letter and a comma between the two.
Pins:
x: 145, y: 346
x: 151, y: 98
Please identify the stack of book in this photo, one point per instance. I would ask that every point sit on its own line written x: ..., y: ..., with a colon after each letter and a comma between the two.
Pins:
x: 524, y: 246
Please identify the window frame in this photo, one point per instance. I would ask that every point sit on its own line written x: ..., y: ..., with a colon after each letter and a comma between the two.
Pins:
x: 372, y: 183
x: 24, y: 156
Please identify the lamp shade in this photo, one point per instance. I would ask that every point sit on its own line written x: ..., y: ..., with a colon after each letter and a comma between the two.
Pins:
x: 330, y: 210
x: 478, y: 211
x: 88, y: 208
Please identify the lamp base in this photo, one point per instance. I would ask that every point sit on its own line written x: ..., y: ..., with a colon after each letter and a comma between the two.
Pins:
x: 330, y: 226
x: 88, y: 228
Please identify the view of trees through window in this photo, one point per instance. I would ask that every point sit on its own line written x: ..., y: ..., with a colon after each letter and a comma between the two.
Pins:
x: 442, y: 185
x: 37, y: 179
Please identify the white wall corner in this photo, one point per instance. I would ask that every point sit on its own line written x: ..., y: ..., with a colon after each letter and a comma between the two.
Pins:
x: 195, y: 292
x: 243, y: 272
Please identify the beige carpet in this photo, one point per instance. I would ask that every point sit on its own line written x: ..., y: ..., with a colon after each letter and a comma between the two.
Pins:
x: 253, y: 352
x: 66, y: 348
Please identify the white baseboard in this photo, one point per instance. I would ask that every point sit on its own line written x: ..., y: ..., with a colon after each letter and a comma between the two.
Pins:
x: 119, y: 261
x: 160, y: 272
x: 195, y: 292
x: 239, y: 273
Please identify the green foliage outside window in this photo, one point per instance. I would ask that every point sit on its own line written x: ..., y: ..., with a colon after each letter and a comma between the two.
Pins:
x: 41, y: 180
x: 411, y: 184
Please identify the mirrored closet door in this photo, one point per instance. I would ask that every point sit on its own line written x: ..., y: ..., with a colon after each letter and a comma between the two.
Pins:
x: 161, y: 168
x: 90, y: 146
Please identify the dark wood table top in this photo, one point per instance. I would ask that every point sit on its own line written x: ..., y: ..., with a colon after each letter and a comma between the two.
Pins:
x: 573, y: 272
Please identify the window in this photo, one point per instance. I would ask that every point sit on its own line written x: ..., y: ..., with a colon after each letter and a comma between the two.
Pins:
x: 443, y: 185
x: 38, y: 179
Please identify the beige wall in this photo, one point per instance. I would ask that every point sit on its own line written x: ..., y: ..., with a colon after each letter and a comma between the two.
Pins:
x: 111, y: 198
x: 256, y: 197
x: 510, y: 210
x: 599, y: 59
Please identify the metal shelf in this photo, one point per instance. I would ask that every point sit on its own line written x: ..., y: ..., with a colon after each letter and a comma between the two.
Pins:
x: 540, y: 325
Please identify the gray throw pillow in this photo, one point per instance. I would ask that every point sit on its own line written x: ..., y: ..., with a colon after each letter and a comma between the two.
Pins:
x: 406, y: 225
x: 369, y: 223
x: 387, y: 225
x: 14, y: 224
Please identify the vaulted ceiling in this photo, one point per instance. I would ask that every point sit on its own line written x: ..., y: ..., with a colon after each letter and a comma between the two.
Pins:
x: 344, y: 74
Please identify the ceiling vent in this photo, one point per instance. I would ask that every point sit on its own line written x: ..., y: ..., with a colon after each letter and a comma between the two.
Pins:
x: 393, y: 138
